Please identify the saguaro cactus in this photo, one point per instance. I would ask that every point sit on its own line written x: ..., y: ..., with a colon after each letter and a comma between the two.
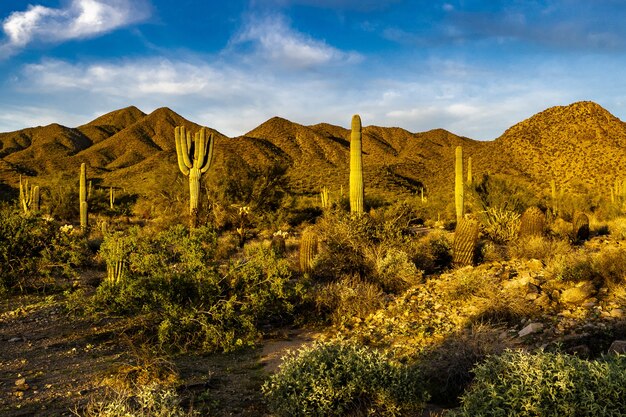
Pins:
x: 325, y: 198
x: 458, y: 183
x: 356, y: 167
x: 195, y: 157
x: 82, y: 194
x: 29, y: 196
x: 470, y: 177
x: 111, y: 197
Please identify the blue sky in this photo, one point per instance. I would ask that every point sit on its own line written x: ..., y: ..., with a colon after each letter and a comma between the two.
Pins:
x: 474, y: 67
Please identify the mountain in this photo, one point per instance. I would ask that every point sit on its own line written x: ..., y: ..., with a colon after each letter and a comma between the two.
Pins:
x: 580, y: 146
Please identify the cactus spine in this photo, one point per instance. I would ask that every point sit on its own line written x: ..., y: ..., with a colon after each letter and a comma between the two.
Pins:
x: 308, y: 249
x: 356, y: 167
x: 532, y: 222
x: 465, y: 239
x: 82, y: 194
x: 458, y: 183
x: 195, y: 157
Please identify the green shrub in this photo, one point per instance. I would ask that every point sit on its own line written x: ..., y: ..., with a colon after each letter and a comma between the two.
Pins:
x: 34, y: 251
x: 546, y: 384
x: 173, y: 279
x: 432, y: 252
x: 337, y: 378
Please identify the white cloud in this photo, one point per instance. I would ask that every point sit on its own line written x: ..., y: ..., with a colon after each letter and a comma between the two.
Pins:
x: 276, y: 42
x: 80, y: 19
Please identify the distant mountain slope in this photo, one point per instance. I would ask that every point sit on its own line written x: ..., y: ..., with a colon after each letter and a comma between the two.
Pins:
x: 579, y: 145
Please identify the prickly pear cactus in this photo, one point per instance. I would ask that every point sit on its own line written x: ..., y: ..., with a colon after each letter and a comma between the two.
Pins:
x: 532, y: 222
x: 308, y: 249
x: 465, y: 240
x: 580, y: 226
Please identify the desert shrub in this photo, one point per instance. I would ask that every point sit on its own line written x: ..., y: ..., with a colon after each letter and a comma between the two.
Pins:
x: 143, y: 401
x: 395, y: 271
x: 501, y: 194
x: 347, y: 299
x: 432, y: 252
x: 538, y: 247
x: 617, y: 228
x: 610, y: 264
x: 338, y: 378
x: 561, y: 229
x: 172, y: 278
x: 546, y: 384
x: 34, y: 251
x: 574, y: 267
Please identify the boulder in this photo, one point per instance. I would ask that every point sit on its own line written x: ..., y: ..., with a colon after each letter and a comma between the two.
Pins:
x: 575, y: 295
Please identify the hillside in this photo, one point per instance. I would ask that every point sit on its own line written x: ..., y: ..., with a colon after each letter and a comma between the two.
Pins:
x: 580, y: 146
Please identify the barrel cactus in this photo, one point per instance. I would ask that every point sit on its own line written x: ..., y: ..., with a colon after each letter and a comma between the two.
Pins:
x: 465, y: 240
x: 532, y: 222
x: 580, y: 226
x: 308, y: 249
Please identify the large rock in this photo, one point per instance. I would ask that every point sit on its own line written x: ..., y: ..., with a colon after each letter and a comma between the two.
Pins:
x: 618, y: 346
x: 530, y: 329
x: 579, y: 293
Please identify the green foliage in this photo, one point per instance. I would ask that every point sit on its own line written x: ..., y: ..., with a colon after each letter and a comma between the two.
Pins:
x: 338, y: 378
x: 503, y: 193
x: 546, y: 384
x: 34, y: 251
x: 499, y: 224
x: 173, y: 280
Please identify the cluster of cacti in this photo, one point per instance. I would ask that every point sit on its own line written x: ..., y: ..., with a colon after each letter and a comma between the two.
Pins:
x: 356, y: 167
x: 29, y: 197
x: 325, y: 198
x: 195, y: 156
x: 465, y: 240
x: 532, y: 222
x: 458, y: 183
x: 580, y: 225
x: 308, y: 249
x: 82, y: 194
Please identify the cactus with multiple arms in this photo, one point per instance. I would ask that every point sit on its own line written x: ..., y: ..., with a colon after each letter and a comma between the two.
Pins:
x: 29, y: 197
x: 195, y: 157
x: 458, y: 183
x: 356, y: 167
x: 82, y: 194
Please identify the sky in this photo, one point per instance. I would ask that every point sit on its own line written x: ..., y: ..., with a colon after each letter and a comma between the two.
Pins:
x: 473, y: 67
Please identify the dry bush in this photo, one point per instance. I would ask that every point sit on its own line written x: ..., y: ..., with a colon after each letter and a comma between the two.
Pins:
x: 538, y: 247
x: 617, y: 228
x: 432, y: 252
x: 561, y: 229
x: 347, y: 299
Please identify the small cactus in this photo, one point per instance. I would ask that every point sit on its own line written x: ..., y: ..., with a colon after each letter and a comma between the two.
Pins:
x: 356, y: 167
x: 580, y: 226
x: 278, y: 242
x: 465, y: 240
x: 458, y: 183
x: 111, y: 197
x: 325, y: 198
x: 308, y: 249
x: 532, y: 222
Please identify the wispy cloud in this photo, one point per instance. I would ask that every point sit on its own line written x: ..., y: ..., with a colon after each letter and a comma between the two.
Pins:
x: 80, y: 19
x: 274, y: 41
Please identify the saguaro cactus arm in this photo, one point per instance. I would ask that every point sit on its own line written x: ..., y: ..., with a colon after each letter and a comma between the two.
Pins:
x: 209, y: 153
x: 183, y: 144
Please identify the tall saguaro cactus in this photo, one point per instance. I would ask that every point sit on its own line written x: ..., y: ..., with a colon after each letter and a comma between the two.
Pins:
x: 195, y: 156
x: 458, y: 183
x: 82, y: 194
x: 356, y: 167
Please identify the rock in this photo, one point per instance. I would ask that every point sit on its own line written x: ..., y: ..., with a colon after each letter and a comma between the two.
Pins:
x: 617, y: 313
x: 618, y: 346
x: 531, y: 296
x: 21, y: 384
x: 579, y: 293
x: 581, y: 351
x: 534, y: 265
x: 530, y: 329
x: 15, y: 339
